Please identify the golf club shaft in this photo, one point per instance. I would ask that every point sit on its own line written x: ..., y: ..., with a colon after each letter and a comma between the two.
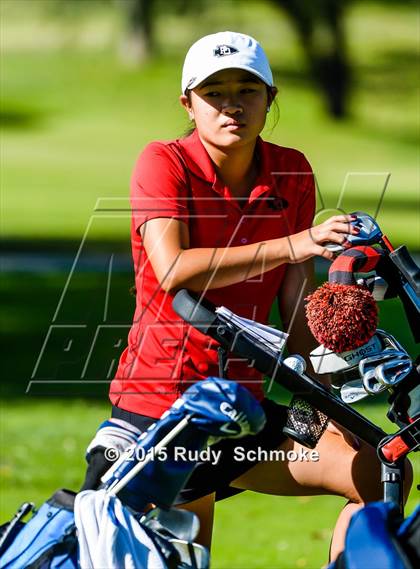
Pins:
x: 120, y: 484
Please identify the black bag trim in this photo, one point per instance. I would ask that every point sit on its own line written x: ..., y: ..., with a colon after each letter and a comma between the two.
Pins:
x: 63, y: 498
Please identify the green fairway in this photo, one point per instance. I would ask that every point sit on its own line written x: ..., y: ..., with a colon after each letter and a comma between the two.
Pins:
x: 43, y: 445
x: 43, y: 439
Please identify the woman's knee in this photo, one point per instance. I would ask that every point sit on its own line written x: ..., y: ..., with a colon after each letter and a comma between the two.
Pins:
x: 366, y: 476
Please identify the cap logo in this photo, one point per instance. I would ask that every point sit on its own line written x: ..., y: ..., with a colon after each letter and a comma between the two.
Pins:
x: 222, y: 50
x: 191, y: 81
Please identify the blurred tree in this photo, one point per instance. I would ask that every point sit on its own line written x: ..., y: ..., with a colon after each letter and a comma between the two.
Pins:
x: 138, y: 45
x: 320, y: 26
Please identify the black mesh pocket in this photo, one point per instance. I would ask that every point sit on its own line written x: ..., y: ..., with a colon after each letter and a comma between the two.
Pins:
x: 305, y: 424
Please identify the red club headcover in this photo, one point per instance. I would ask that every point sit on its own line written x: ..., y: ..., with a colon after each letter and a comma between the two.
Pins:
x: 342, y: 317
x: 341, y: 314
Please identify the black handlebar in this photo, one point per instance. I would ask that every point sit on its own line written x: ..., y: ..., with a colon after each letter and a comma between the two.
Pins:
x: 402, y: 274
x: 407, y: 266
x: 198, y: 313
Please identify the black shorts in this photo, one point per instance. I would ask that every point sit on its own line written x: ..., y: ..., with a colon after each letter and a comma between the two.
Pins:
x: 207, y: 478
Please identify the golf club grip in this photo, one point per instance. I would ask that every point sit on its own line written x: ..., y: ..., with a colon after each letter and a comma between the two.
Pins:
x: 299, y: 384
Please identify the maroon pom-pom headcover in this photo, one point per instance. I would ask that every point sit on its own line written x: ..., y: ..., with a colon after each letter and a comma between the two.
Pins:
x: 343, y: 315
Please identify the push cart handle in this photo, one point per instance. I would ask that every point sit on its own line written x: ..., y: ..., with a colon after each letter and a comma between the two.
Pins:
x: 200, y: 314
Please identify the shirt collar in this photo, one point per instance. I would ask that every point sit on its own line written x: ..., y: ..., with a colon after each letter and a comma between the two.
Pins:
x: 196, y: 157
x: 200, y: 164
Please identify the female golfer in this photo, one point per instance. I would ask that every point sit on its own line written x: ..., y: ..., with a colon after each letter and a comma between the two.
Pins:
x: 226, y: 214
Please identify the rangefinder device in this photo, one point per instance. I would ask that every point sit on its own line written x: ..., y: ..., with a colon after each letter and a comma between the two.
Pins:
x: 304, y: 424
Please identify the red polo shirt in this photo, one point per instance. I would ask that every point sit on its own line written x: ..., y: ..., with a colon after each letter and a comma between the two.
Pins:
x: 177, y: 179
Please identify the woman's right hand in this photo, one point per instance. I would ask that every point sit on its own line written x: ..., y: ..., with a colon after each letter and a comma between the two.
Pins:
x: 312, y: 241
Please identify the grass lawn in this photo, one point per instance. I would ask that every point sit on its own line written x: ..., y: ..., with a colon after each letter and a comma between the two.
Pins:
x: 43, y: 438
x: 43, y: 444
x: 74, y: 120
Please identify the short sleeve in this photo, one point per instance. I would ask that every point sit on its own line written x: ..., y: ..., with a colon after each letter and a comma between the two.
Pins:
x: 159, y: 185
x: 306, y: 205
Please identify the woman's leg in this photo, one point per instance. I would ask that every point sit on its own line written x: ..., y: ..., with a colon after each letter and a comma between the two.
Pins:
x: 341, y: 470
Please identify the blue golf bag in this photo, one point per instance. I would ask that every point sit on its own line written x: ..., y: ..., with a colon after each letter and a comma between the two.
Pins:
x: 47, y: 541
x: 211, y: 408
x: 378, y: 538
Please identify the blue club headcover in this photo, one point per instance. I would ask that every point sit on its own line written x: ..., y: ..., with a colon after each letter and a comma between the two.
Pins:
x: 376, y: 537
x: 215, y: 407
x: 223, y: 408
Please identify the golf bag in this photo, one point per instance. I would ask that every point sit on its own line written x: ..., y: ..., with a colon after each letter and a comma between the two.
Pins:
x: 110, y: 528
x: 378, y: 537
x: 47, y: 541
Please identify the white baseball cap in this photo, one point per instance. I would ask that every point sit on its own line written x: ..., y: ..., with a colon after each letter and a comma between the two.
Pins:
x: 224, y: 50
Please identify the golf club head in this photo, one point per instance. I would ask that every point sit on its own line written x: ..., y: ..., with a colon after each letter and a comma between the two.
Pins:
x: 389, y: 341
x: 377, y: 286
x: 353, y: 391
x: 371, y: 362
x: 391, y: 373
x: 369, y: 231
x: 334, y: 247
x: 371, y: 383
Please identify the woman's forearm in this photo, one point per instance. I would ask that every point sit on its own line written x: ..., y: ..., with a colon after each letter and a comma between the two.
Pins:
x: 207, y: 268
x: 176, y: 265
